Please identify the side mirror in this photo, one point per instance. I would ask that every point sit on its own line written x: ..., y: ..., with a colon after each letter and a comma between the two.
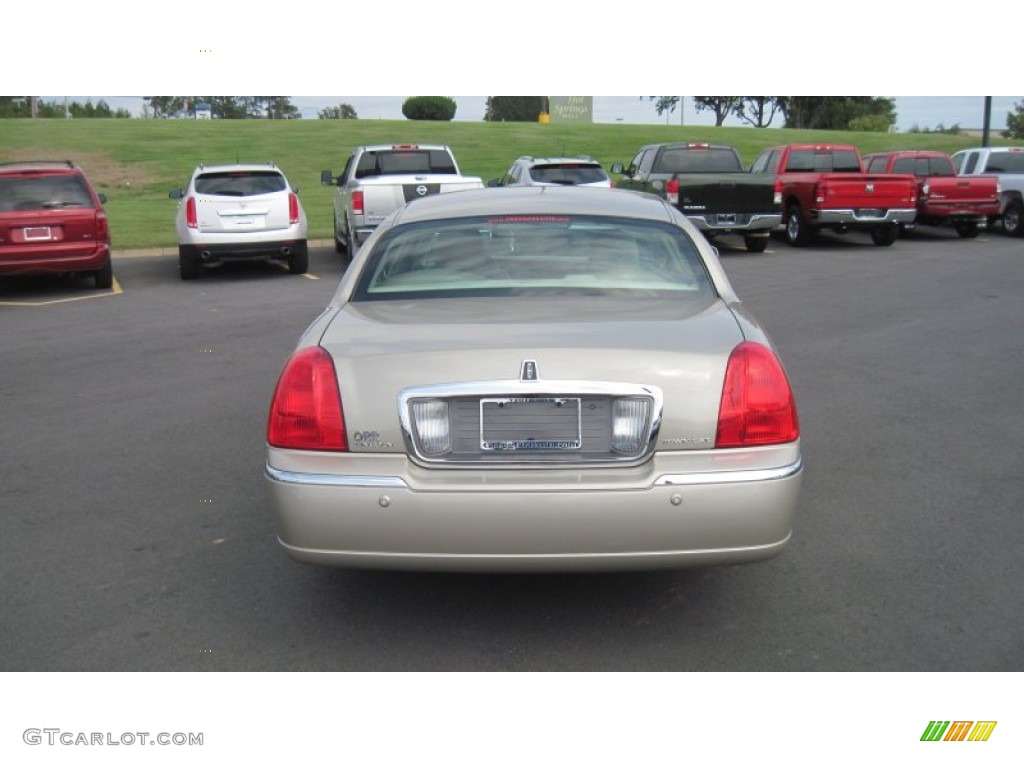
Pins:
x: 617, y: 168
x: 326, y: 178
x: 175, y: 194
x: 493, y: 183
x: 103, y: 198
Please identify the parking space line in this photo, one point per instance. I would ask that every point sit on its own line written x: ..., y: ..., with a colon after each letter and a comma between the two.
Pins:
x: 114, y: 291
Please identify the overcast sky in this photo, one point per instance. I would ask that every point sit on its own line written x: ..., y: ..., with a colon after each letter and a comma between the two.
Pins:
x: 922, y: 111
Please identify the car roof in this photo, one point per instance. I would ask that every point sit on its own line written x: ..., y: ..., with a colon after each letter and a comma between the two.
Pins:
x: 39, y: 165
x: 237, y: 167
x: 569, y: 200
x: 549, y: 160
x: 400, y: 147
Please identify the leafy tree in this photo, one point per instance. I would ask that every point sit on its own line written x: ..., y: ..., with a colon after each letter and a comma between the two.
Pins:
x: 429, y: 108
x: 514, y: 109
x: 340, y: 112
x: 1015, y: 122
x: 281, y: 108
x: 870, y: 123
x: 758, y: 111
x: 834, y: 112
x: 722, y: 106
x: 663, y: 104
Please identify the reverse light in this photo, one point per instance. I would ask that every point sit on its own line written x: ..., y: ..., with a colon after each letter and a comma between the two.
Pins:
x: 191, y: 218
x: 820, y: 192
x: 293, y: 208
x: 433, y: 427
x: 357, y: 202
x: 672, y: 191
x: 757, y: 402
x: 305, y: 413
x: 630, y: 417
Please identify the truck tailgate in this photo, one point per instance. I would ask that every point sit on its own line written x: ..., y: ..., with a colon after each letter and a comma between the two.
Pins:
x: 866, y: 191
x: 957, y: 191
x: 726, y: 193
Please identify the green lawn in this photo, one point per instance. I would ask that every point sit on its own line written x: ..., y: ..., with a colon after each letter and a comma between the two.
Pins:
x: 136, y: 162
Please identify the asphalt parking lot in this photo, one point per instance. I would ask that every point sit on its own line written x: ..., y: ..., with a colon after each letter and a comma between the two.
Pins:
x: 138, y: 535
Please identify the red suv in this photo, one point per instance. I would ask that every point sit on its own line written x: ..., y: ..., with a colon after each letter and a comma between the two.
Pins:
x: 52, y: 220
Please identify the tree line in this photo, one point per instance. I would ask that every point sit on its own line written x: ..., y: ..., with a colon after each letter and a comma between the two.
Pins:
x: 33, y: 106
x: 838, y: 113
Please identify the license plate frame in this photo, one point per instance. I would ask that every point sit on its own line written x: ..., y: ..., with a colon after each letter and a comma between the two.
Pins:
x: 37, y: 234
x: 558, y: 418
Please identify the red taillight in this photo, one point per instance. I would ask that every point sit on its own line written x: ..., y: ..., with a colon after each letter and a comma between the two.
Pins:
x: 102, y: 228
x: 357, y: 202
x: 757, y: 402
x: 777, y: 197
x: 820, y: 192
x: 293, y: 208
x: 306, y: 410
x: 672, y: 191
x: 191, y: 219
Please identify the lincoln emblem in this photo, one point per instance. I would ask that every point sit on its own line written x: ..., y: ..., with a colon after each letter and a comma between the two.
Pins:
x: 529, y: 371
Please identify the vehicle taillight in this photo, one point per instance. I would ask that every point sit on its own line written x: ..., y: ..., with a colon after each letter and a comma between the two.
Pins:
x: 672, y: 191
x: 102, y: 228
x: 925, y: 190
x: 191, y: 219
x: 820, y: 192
x: 357, y: 202
x: 757, y: 402
x: 293, y: 208
x: 777, y: 197
x: 305, y: 413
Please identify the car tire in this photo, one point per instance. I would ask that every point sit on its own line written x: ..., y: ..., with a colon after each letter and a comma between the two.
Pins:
x: 104, y: 276
x: 885, y: 235
x: 966, y: 228
x: 797, y: 232
x: 340, y: 244
x: 1013, y: 224
x: 298, y: 260
x: 755, y: 244
x: 188, y: 265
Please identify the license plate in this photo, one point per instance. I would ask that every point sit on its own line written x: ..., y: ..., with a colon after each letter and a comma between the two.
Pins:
x: 530, y: 424
x: 871, y: 213
x: 727, y: 218
x: 38, y: 233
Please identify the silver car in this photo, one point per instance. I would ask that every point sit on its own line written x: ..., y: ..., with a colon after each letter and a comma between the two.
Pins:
x: 239, y: 211
x: 527, y: 171
x: 538, y: 378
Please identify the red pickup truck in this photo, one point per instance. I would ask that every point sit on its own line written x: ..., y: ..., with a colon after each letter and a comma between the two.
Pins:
x: 823, y: 187
x: 942, y: 196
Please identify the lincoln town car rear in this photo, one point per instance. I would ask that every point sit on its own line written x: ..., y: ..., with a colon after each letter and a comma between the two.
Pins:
x: 541, y: 378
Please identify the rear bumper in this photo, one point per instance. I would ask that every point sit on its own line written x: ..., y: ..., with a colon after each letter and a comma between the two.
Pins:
x: 740, y: 222
x: 863, y: 217
x: 219, y: 251
x: 671, y: 520
x: 935, y: 209
x: 56, y: 259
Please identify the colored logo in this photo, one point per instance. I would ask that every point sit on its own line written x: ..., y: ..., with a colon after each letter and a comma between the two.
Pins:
x: 959, y: 730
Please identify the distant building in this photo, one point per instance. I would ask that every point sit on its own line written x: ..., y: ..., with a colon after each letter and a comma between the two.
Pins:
x: 203, y: 111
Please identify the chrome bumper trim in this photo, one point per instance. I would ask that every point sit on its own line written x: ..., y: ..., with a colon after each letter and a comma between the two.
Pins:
x: 850, y: 216
x: 351, y: 481
x: 738, y: 476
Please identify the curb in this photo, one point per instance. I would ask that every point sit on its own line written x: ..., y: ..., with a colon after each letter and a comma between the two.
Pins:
x: 143, y: 253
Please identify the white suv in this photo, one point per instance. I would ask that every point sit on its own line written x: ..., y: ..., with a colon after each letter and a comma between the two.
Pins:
x: 582, y: 171
x: 240, y: 211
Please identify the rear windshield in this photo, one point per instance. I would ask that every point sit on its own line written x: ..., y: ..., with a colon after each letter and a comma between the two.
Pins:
x: 533, y: 255
x: 697, y: 161
x: 35, y: 192
x: 837, y: 160
x: 399, y: 161
x: 1005, y: 162
x: 568, y: 173
x: 240, y: 183
x: 924, y: 166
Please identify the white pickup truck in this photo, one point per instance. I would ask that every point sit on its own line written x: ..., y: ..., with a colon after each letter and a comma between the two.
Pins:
x: 380, y: 179
x: 1006, y: 164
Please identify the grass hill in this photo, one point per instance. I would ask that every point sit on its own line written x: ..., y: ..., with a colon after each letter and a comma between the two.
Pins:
x: 136, y: 162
